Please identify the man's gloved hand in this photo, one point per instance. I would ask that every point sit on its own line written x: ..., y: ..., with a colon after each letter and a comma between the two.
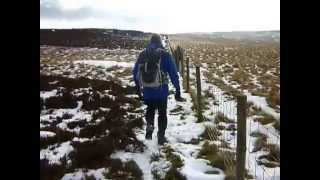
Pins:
x: 139, y: 93
x: 178, y: 97
x: 140, y: 96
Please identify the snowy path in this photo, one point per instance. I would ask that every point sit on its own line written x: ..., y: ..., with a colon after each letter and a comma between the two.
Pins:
x: 180, y: 131
x: 183, y: 129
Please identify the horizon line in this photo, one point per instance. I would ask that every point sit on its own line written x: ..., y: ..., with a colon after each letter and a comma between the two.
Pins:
x: 195, y: 32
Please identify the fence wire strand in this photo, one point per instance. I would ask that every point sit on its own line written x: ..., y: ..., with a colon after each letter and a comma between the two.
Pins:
x: 221, y: 130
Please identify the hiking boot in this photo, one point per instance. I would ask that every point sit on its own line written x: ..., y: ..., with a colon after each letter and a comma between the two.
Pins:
x: 149, y: 131
x: 149, y: 135
x: 162, y: 140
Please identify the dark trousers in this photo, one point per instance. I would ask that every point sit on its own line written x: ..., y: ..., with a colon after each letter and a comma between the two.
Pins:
x: 161, y: 106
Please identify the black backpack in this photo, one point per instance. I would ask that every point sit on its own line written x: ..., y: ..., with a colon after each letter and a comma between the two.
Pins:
x: 150, y: 74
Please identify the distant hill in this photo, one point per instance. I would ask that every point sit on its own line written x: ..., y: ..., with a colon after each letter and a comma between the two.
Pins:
x: 237, y: 35
x: 101, y: 38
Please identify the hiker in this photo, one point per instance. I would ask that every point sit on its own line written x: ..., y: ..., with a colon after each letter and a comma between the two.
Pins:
x: 150, y: 74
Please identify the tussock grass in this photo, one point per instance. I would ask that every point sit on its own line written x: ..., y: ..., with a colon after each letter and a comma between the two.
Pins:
x: 154, y: 157
x: 49, y: 171
x: 221, y: 127
x: 266, y: 119
x: 258, y: 134
x: 220, y: 117
x: 259, y: 92
x: 173, y: 173
x: 240, y: 76
x: 93, y: 153
x: 177, y: 109
x: 260, y: 142
x: 175, y: 160
x: 183, y: 117
x: 272, y: 158
x: 113, y: 131
x: 120, y: 170
x: 66, y: 100
x: 208, y: 93
x: 276, y: 125
x: 273, y: 98
x: 41, y: 104
x: 231, y: 127
x: 216, y: 157
x: 238, y: 61
x: 211, y: 133
x: 61, y: 136
x: 176, y: 163
x: 230, y: 173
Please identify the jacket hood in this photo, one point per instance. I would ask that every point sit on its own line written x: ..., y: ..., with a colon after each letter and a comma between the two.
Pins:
x: 155, y: 45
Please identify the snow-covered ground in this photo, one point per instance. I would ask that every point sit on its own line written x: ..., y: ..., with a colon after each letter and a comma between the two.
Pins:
x: 92, y: 69
x: 107, y: 64
x: 56, y: 152
x: 80, y: 174
x: 181, y: 130
x: 179, y: 133
x: 261, y: 102
x: 227, y: 106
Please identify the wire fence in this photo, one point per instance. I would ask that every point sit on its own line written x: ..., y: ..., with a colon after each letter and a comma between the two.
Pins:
x: 219, y: 109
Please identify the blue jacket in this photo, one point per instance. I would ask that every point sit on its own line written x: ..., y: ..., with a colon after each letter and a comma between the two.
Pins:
x: 168, y: 66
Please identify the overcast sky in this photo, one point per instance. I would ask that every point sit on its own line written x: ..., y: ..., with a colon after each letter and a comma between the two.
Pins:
x: 162, y: 16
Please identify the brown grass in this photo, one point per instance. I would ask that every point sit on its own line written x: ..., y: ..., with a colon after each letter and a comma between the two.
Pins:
x: 260, y: 143
x: 273, y: 98
x: 220, y: 117
x: 272, y: 157
x: 266, y: 119
x: 113, y: 132
x: 211, y: 133
x: 120, y: 170
x: 217, y: 158
x: 49, y: 171
x: 276, y: 125
x: 242, y: 60
x: 175, y: 160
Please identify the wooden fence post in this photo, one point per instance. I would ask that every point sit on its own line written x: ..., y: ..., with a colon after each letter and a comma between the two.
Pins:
x: 188, y: 75
x: 198, y: 80
x: 182, y: 62
x: 241, y: 136
x: 174, y: 54
x: 176, y: 57
x: 170, y: 47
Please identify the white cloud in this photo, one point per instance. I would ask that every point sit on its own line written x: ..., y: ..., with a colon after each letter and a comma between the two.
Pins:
x: 171, y: 16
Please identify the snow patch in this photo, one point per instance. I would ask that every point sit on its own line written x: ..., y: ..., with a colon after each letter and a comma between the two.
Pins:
x: 48, y: 94
x: 106, y: 64
x: 80, y: 174
x: 46, y: 134
x: 262, y: 103
x: 58, y: 152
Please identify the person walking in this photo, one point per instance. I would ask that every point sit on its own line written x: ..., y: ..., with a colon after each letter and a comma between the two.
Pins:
x: 150, y: 74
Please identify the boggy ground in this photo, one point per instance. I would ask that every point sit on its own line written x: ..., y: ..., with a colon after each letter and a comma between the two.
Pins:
x: 83, y: 121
